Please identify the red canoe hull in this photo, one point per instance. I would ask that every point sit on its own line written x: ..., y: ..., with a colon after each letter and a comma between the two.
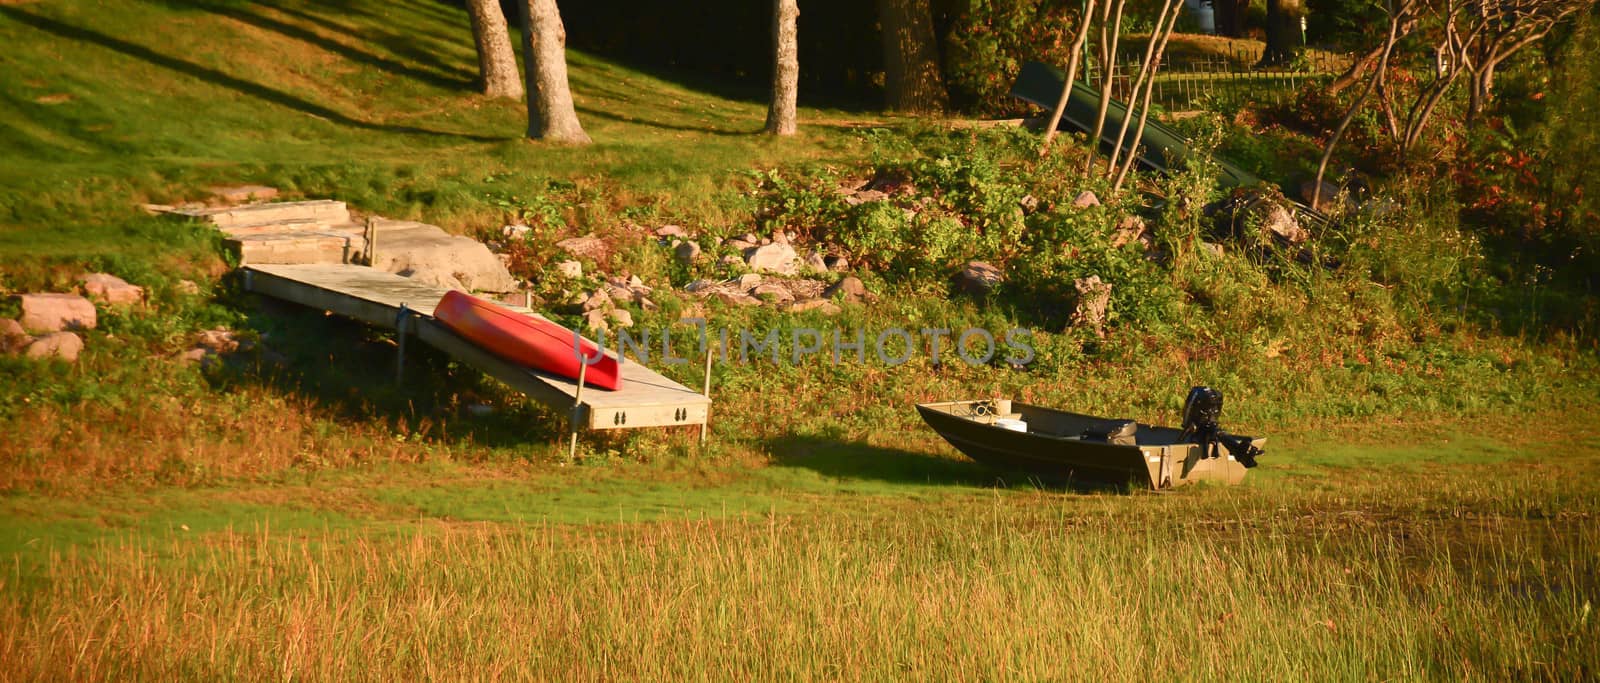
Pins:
x: 524, y: 340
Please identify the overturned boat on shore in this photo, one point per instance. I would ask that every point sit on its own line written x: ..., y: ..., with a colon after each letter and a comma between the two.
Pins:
x: 1059, y: 446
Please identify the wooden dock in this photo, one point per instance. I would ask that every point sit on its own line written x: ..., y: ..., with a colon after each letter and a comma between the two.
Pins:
x: 645, y: 399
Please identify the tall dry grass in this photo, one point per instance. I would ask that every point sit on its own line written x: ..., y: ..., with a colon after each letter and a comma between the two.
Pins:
x: 1059, y: 589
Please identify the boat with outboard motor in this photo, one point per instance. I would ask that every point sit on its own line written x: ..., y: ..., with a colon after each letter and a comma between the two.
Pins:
x: 1060, y: 446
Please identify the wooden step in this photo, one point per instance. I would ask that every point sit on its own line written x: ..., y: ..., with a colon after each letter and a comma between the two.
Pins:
x: 299, y: 247
x: 291, y: 226
x: 322, y: 210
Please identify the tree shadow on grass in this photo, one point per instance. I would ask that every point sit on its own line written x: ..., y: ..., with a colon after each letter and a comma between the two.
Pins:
x: 215, y: 77
x: 639, y: 121
x: 442, y: 75
x: 857, y: 460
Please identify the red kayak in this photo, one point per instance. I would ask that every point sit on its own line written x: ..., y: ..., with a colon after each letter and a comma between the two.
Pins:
x: 527, y: 341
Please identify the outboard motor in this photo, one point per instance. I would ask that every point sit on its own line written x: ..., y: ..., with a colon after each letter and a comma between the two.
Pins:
x: 1201, y: 411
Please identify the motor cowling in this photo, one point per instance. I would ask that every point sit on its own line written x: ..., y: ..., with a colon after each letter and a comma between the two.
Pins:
x: 1202, y: 410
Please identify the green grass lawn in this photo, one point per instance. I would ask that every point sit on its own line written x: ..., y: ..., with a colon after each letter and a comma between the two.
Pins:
x: 1427, y: 508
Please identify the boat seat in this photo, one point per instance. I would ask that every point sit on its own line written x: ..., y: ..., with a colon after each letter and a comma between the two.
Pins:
x: 1114, y: 432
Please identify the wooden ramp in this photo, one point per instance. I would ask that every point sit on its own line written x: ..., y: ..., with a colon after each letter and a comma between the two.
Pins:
x: 646, y: 398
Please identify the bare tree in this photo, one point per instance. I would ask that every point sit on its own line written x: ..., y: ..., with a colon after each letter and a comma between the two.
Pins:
x: 551, y: 113
x: 1084, y: 20
x: 781, y: 118
x: 1365, y: 62
x: 1400, y: 20
x: 1152, y: 64
x: 912, y: 79
x: 1507, y: 26
x: 497, y: 63
x: 1110, y: 35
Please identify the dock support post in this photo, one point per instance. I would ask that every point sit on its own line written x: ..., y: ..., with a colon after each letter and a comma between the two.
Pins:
x: 372, y: 242
x: 401, y: 322
x: 706, y: 391
x: 577, y: 405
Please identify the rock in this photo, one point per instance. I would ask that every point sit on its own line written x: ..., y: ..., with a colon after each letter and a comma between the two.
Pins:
x: 110, y: 289
x: 731, y: 262
x: 698, y: 285
x: 218, y: 341
x: 239, y: 194
x: 849, y: 289
x: 837, y: 264
x: 737, y: 299
x: 773, y: 292
x: 516, y: 232
x: 570, y: 270
x: 739, y: 244
x: 427, y: 253
x: 815, y: 264
x: 892, y: 182
x: 687, y: 252
x: 59, y: 345
x: 1280, y: 223
x: 648, y: 305
x: 636, y: 282
x: 1094, y: 296
x: 747, y: 281
x: 621, y: 317
x: 780, y: 237
x: 824, y: 306
x: 1029, y: 204
x: 44, y: 313
x: 194, y: 355
x: 1330, y: 194
x: 187, y: 288
x: 851, y: 186
x: 595, y: 320
x: 1239, y: 212
x: 774, y: 258
x: 1085, y: 199
x: 582, y: 247
x: 671, y: 231
x: 12, y: 337
x: 1132, y: 229
x: 865, y: 196
x: 978, y: 278
x: 750, y: 237
x: 598, y: 301
x: 1212, y: 248
x: 618, y: 290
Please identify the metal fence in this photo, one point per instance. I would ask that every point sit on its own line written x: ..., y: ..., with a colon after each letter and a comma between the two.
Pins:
x: 1194, y: 82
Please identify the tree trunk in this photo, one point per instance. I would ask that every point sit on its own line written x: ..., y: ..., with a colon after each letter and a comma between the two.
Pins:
x: 912, y: 79
x: 785, y: 68
x: 1395, y: 20
x: 551, y: 114
x: 497, y: 64
x: 1283, y: 31
x: 1111, y: 15
x: 1228, y: 16
x: 1084, y: 21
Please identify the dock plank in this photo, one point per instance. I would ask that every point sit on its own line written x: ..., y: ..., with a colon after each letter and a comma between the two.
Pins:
x: 645, y: 398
